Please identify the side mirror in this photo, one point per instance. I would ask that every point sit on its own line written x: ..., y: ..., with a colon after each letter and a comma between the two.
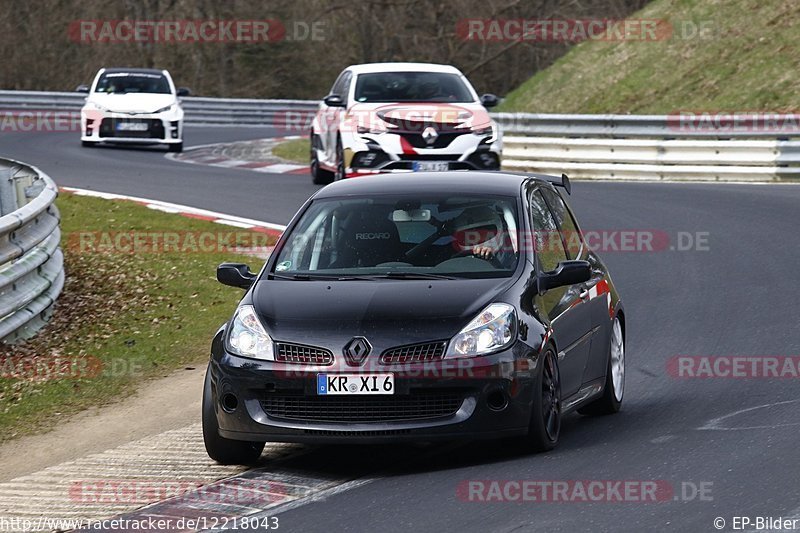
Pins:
x: 235, y: 275
x: 489, y: 100
x: 183, y: 91
x: 566, y: 273
x: 334, y: 100
x: 82, y: 89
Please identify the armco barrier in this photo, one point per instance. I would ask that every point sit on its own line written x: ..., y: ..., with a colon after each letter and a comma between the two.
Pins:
x: 31, y: 263
x: 629, y: 147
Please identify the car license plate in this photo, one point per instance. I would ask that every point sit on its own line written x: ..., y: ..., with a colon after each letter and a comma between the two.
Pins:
x: 132, y: 126
x: 331, y: 384
x: 431, y: 166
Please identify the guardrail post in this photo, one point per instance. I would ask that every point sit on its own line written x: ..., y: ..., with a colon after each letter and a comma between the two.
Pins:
x: 8, y: 191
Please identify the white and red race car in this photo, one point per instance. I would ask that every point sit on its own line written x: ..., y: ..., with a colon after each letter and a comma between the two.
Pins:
x: 402, y: 117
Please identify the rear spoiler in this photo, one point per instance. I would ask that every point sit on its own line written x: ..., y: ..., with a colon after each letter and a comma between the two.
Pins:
x: 563, y: 182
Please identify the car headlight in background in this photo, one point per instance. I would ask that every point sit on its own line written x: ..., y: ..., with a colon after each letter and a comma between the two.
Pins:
x: 247, y: 337
x: 490, y: 331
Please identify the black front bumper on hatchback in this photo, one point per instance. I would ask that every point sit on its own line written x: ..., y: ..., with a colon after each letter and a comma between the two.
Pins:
x: 481, y: 397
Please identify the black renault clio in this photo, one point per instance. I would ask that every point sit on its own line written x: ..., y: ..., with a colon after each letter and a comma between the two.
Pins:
x: 417, y: 307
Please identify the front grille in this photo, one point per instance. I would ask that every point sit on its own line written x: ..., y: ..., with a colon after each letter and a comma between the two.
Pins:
x: 414, y: 353
x: 300, y: 353
x: 155, y: 128
x: 429, y: 157
x: 442, y: 141
x: 376, y: 433
x: 418, y: 406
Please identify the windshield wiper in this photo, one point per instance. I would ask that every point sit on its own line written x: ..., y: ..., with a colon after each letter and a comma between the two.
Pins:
x: 320, y: 277
x: 411, y: 275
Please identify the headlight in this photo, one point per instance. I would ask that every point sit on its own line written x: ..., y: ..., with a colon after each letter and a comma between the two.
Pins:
x: 486, y: 130
x: 164, y: 109
x: 96, y: 106
x: 490, y: 331
x: 370, y: 129
x: 247, y: 337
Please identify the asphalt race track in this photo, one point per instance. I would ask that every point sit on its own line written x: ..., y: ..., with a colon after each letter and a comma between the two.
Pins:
x: 738, y: 437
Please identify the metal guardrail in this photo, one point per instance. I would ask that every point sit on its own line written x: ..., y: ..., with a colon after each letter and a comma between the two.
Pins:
x: 644, y: 147
x: 292, y: 114
x: 31, y: 262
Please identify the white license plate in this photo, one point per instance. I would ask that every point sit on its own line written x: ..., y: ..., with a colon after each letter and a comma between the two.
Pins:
x: 132, y: 126
x: 337, y: 384
x: 431, y: 166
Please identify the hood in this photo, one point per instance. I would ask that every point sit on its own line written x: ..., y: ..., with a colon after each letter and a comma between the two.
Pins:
x: 132, y: 102
x: 388, y: 313
x: 417, y: 116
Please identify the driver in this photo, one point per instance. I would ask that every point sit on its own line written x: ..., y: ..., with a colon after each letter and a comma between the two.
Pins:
x: 480, y: 231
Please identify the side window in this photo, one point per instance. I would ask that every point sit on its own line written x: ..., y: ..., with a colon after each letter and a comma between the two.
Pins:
x: 569, y: 230
x: 549, y: 248
x: 337, y: 85
x: 345, y: 89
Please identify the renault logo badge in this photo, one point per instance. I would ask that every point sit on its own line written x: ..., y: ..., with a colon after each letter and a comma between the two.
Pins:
x: 429, y: 135
x: 357, y: 350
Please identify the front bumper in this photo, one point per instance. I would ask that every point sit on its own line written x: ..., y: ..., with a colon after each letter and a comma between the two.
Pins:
x: 478, y: 383
x: 390, y: 152
x: 153, y: 128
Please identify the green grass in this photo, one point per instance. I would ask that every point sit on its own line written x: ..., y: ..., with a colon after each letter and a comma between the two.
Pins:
x: 295, y: 150
x: 747, y: 60
x: 129, y: 316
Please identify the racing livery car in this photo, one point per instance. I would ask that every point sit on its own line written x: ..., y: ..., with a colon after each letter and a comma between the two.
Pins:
x: 430, y: 306
x: 386, y: 117
x: 132, y: 106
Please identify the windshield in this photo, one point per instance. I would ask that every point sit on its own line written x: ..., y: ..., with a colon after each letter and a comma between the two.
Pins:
x: 398, y: 236
x: 132, y: 82
x: 412, y: 87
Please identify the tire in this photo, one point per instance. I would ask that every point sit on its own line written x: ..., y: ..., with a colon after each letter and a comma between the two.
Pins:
x: 319, y: 176
x: 222, y: 450
x: 614, y: 388
x: 177, y: 147
x: 88, y: 144
x: 340, y: 173
x: 545, y: 424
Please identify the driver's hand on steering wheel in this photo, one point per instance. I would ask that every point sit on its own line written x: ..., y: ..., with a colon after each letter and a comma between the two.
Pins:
x: 483, y: 251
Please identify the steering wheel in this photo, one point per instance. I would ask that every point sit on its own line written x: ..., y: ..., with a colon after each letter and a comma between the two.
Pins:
x: 492, y: 259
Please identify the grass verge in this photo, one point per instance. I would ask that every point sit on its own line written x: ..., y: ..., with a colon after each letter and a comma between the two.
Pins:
x: 295, y: 150
x: 130, y: 310
x: 721, y: 55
